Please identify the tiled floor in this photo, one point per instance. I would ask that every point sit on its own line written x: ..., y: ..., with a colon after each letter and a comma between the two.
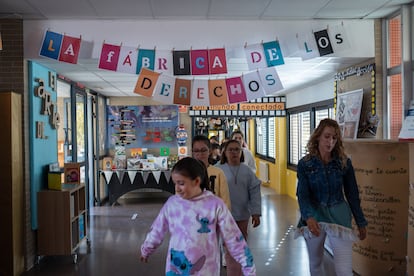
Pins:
x: 116, y: 232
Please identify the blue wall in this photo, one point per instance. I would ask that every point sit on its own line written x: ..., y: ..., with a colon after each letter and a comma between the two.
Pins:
x: 43, y: 149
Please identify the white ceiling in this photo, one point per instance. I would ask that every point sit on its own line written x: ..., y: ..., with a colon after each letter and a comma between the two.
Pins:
x: 119, y: 84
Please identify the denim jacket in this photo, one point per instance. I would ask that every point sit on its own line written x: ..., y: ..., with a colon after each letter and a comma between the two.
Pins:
x: 325, y: 186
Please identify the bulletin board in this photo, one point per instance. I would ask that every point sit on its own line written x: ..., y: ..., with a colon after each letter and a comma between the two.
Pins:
x: 382, y: 173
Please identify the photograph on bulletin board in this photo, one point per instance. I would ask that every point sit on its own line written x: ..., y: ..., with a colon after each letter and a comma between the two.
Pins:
x: 348, y: 112
x: 142, y: 126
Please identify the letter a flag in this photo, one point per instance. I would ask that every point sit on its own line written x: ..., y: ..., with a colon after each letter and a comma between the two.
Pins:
x: 51, y: 45
x: 70, y: 49
x: 146, y: 82
x: 109, y: 57
x: 127, y: 62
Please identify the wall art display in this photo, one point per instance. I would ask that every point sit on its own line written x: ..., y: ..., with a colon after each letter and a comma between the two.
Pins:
x: 348, y: 112
x: 142, y: 126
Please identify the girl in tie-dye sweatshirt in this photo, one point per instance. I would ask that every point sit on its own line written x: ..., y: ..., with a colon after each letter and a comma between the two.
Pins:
x: 195, y: 218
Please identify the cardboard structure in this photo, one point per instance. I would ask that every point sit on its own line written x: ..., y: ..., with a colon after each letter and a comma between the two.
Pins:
x: 382, y: 171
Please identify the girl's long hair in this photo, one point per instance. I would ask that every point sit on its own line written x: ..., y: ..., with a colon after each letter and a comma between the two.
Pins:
x: 226, y: 145
x: 192, y: 168
x: 313, y: 143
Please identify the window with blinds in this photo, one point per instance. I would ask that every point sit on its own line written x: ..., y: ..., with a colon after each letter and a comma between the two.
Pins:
x: 265, y: 138
x: 301, y: 122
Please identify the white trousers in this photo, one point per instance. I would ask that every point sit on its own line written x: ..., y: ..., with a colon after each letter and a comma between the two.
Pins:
x: 342, y: 251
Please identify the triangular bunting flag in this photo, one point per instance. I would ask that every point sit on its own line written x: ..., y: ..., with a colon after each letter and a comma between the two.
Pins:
x: 157, y: 175
x: 107, y: 175
x: 145, y: 176
x: 132, y: 175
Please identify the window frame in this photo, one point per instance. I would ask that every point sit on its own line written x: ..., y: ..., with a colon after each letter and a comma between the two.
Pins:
x: 312, y: 109
x: 266, y: 156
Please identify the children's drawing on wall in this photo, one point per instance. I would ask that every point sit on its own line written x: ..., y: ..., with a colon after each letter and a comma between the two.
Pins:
x: 142, y: 126
x: 348, y: 112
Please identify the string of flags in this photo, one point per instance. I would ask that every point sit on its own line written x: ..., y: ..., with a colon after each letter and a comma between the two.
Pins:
x: 157, y: 68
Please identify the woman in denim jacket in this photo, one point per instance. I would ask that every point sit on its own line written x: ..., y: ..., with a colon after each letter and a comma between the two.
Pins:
x: 328, y: 197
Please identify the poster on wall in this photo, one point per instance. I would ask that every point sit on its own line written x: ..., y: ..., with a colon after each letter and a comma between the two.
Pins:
x: 142, y: 126
x: 348, y: 112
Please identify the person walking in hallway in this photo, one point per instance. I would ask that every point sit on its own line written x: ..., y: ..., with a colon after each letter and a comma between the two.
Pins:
x: 195, y: 219
x: 201, y: 149
x: 328, y: 198
x: 245, y: 195
x: 248, y: 156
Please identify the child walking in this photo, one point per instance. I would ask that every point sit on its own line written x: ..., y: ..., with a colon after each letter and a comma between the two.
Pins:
x: 195, y: 218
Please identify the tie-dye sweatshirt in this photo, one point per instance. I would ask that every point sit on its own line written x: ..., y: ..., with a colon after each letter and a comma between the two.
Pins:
x: 194, y: 226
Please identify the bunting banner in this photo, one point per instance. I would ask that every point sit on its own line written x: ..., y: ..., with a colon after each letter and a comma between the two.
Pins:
x: 339, y: 38
x: 157, y: 175
x: 109, y: 57
x: 146, y: 82
x: 253, y: 86
x: 146, y: 59
x: 273, y: 53
x: 255, y: 56
x: 217, y: 92
x: 181, y: 63
x: 131, y: 175
x: 199, y: 62
x: 182, y: 96
x: 164, y: 90
x: 199, y: 93
x: 217, y: 61
x: 164, y: 62
x: 70, y: 49
x: 235, y: 90
x: 127, y: 62
x: 323, y: 42
x: 51, y: 45
x: 156, y: 68
x: 270, y: 80
x: 307, y: 46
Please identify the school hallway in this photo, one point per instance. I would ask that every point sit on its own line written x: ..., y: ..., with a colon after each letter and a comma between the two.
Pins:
x: 116, y: 233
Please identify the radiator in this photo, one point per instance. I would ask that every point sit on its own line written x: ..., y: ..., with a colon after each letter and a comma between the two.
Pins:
x: 264, y: 171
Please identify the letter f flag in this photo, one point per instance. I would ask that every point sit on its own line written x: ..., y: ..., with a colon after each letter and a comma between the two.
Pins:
x: 109, y: 57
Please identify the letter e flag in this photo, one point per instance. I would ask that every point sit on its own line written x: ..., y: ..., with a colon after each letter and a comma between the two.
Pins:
x: 51, y: 45
x: 109, y: 57
x: 70, y: 49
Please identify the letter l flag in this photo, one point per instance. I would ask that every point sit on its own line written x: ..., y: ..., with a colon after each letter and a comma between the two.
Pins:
x: 51, y: 45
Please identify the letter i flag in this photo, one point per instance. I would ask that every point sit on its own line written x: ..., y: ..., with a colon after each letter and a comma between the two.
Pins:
x: 109, y: 57
x: 51, y: 45
x: 70, y: 49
